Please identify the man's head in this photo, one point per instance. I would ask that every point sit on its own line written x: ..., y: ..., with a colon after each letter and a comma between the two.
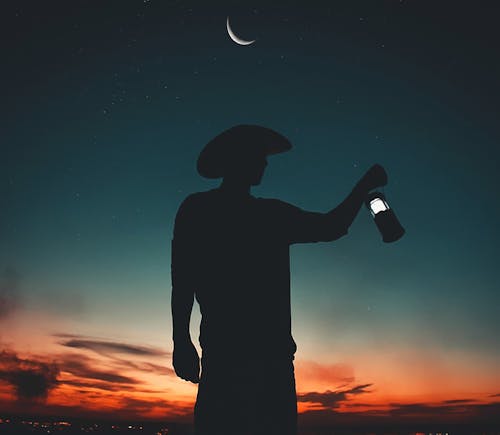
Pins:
x: 240, y: 153
x: 247, y: 169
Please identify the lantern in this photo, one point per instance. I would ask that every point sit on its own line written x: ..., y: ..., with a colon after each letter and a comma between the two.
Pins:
x: 385, y: 219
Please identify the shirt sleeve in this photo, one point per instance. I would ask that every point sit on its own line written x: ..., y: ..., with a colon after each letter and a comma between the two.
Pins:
x: 183, y: 258
x: 301, y: 226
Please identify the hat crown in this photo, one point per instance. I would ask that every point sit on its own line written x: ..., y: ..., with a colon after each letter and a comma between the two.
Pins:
x: 239, y: 143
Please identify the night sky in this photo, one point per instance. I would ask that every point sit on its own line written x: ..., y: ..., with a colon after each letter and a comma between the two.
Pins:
x: 105, y: 107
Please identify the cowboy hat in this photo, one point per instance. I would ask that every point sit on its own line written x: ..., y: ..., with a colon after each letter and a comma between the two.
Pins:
x: 238, y: 142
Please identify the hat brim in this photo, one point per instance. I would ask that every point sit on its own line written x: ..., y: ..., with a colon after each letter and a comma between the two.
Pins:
x: 240, y: 139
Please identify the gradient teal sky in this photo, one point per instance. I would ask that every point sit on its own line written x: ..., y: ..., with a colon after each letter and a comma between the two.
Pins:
x: 105, y: 116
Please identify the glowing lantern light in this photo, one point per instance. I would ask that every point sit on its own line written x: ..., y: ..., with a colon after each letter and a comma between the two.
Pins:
x: 385, y: 219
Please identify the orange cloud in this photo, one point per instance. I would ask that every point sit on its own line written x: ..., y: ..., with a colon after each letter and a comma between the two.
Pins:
x: 311, y: 375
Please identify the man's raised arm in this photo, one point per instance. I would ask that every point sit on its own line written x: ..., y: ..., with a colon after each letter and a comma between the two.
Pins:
x: 305, y: 226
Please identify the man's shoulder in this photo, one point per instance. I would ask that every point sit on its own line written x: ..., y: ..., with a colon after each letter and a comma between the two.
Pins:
x: 195, y: 202
x: 197, y: 199
x: 277, y: 205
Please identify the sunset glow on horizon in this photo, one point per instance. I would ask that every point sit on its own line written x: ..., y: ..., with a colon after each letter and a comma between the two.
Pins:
x: 99, y: 376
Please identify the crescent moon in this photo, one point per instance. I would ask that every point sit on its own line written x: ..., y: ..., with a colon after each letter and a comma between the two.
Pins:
x: 236, y: 38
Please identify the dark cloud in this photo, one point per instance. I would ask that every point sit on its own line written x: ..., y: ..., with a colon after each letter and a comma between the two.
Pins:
x: 33, y: 384
x: 453, y: 401
x: 81, y: 367
x: 10, y: 298
x: 105, y: 347
x: 32, y: 380
x: 101, y: 385
x: 111, y: 349
x: 446, y: 408
x: 414, y: 413
x: 331, y: 399
x: 419, y: 409
x: 362, y: 405
x: 455, y: 411
x: 95, y: 378
x: 146, y: 367
x: 107, y: 386
x: 328, y: 399
x: 450, y: 409
x: 359, y: 389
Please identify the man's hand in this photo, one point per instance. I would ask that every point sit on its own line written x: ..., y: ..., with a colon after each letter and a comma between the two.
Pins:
x: 373, y: 178
x: 186, y: 361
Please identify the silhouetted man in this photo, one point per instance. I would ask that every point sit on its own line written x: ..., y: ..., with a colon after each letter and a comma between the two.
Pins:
x: 230, y: 250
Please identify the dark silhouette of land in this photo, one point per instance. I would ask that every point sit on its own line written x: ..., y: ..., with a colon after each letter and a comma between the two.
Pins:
x: 230, y: 251
x: 39, y: 424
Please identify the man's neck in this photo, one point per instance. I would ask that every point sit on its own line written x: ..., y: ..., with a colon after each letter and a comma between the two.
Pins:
x: 235, y: 188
